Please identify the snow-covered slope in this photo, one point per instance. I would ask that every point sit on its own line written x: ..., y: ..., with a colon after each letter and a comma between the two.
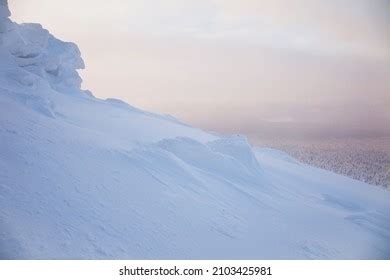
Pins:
x: 82, y: 177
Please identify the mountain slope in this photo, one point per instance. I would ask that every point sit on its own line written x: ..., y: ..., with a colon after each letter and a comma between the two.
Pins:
x: 83, y: 178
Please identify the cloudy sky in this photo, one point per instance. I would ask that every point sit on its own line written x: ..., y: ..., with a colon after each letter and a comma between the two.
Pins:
x: 266, y: 68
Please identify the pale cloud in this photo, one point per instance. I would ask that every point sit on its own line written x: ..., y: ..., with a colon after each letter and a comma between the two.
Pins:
x: 357, y: 26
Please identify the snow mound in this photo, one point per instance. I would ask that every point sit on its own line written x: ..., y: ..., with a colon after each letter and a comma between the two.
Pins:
x: 215, y: 161
x: 237, y: 147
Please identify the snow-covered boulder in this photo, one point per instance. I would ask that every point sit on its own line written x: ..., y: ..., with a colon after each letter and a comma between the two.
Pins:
x: 38, y: 52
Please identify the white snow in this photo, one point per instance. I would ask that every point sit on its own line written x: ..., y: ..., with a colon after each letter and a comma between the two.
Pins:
x: 86, y: 178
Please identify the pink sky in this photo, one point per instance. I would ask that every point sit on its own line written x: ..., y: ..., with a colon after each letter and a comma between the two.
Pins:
x: 264, y: 68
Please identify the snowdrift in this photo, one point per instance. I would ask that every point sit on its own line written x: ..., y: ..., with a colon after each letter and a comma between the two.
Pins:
x: 85, y: 178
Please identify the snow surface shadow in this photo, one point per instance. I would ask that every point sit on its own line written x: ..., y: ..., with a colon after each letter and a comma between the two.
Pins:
x: 315, y: 250
x: 10, y: 248
x: 341, y: 204
x: 374, y: 222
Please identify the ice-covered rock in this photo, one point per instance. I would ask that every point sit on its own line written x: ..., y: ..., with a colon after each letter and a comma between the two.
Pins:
x: 38, y: 52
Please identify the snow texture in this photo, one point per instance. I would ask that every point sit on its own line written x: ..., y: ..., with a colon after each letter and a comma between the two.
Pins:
x: 85, y: 178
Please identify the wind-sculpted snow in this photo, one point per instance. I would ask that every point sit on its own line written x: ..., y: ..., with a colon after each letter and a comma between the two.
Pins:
x: 87, y: 178
x: 38, y: 52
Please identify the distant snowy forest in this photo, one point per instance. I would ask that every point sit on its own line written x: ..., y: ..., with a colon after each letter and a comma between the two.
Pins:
x: 367, y: 160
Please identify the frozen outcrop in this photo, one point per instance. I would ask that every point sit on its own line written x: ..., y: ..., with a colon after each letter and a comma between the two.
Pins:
x: 35, y: 50
x: 38, y: 52
x: 35, y: 65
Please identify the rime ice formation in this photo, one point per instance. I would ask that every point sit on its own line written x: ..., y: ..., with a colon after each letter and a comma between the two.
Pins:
x: 36, y: 51
x: 86, y: 178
